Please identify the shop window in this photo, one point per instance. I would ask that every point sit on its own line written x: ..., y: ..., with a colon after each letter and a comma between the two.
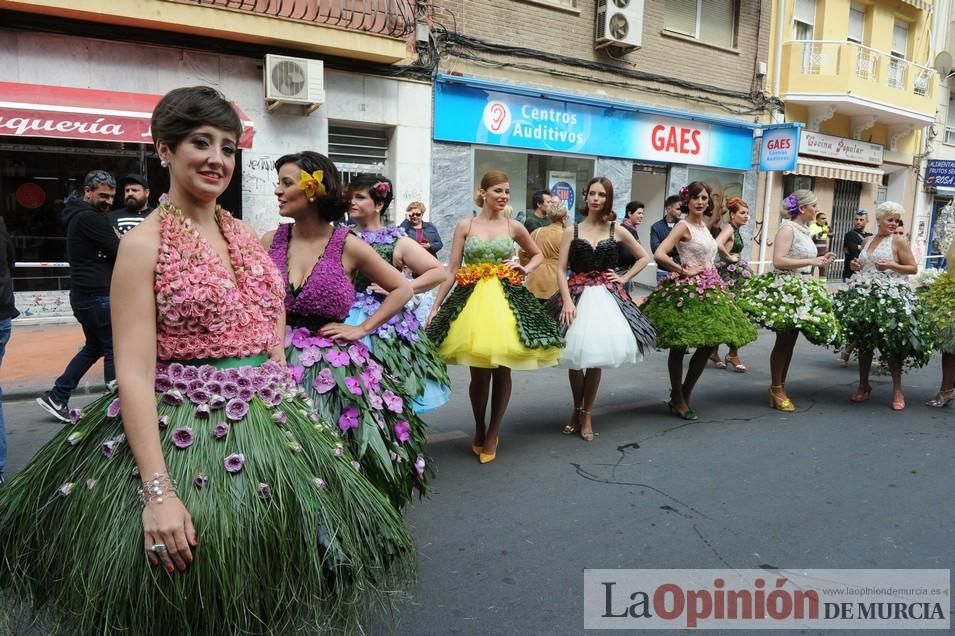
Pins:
x: 793, y: 182
x: 711, y: 21
x: 528, y: 173
x: 37, y: 178
x: 724, y: 183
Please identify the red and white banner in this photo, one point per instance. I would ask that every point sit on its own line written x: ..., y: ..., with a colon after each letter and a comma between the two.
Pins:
x: 37, y: 110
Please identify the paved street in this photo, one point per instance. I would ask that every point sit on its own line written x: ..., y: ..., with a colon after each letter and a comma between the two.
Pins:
x: 503, y: 546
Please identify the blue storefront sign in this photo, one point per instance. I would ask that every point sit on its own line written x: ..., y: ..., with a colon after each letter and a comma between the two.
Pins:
x: 779, y: 148
x: 478, y: 112
x: 940, y: 173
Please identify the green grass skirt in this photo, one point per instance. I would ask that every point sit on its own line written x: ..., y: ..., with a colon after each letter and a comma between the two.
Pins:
x: 352, y: 392
x: 938, y: 303
x: 279, y: 550
x: 712, y: 321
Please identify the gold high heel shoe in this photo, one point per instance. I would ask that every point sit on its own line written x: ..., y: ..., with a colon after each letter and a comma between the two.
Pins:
x: 780, y: 401
x: 942, y: 399
x: 487, y: 458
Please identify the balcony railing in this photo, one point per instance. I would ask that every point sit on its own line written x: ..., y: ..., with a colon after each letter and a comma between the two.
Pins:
x: 392, y: 18
x: 852, y: 62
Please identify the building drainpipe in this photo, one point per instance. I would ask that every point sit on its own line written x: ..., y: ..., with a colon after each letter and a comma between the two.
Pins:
x: 777, y: 72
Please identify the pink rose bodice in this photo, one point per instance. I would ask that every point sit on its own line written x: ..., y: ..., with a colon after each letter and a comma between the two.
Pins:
x: 202, y: 311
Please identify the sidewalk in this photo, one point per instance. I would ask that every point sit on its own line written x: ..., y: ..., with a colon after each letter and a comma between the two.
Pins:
x: 37, y: 354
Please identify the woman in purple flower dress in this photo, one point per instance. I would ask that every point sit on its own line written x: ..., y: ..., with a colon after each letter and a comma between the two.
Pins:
x: 349, y: 388
x: 401, y: 343
x: 260, y: 518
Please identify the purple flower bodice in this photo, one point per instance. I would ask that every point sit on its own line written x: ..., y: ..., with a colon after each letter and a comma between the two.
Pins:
x: 327, y: 293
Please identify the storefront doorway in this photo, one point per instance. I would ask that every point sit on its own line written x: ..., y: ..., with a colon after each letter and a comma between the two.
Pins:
x: 649, y: 185
x: 845, y: 203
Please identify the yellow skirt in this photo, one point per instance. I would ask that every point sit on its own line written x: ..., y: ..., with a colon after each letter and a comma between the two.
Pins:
x: 485, y: 335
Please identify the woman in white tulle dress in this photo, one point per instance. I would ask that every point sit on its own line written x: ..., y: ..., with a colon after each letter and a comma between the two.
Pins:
x: 602, y: 326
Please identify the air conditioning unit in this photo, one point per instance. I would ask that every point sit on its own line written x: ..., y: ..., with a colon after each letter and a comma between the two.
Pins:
x: 294, y: 80
x: 619, y: 24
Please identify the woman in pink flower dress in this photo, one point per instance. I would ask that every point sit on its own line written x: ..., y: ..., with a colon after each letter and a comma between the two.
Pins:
x: 253, y: 515
x: 348, y: 387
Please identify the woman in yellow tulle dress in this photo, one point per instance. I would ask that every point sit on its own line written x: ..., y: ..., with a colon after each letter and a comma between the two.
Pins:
x: 490, y: 321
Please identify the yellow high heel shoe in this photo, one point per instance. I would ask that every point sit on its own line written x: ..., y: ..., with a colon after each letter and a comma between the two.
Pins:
x: 476, y: 449
x: 779, y: 400
x: 487, y: 458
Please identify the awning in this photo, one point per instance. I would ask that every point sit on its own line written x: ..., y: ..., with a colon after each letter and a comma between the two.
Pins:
x: 919, y: 4
x: 37, y: 110
x: 834, y: 170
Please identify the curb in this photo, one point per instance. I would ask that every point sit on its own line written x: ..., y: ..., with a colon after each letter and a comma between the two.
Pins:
x: 18, y: 394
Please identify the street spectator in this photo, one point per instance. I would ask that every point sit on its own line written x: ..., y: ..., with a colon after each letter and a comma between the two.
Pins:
x: 820, y: 232
x: 422, y: 232
x: 92, y: 243
x: 662, y: 228
x: 542, y: 282
x: 136, y: 203
x: 8, y: 312
x: 853, y: 241
x: 538, y: 217
x: 633, y: 217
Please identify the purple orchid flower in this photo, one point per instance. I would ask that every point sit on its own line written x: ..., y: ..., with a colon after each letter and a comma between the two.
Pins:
x: 183, y: 437
x: 348, y: 418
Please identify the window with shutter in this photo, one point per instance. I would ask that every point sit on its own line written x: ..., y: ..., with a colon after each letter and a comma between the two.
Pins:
x: 718, y: 22
x: 358, y: 150
x: 856, y: 23
x: 682, y: 16
x: 804, y: 19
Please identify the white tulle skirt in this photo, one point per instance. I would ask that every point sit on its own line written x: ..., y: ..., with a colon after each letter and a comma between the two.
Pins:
x: 600, y: 336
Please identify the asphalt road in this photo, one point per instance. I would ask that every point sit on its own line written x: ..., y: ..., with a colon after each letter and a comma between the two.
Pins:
x: 503, y: 546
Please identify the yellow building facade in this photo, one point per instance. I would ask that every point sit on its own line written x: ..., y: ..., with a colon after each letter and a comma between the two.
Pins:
x: 857, y: 74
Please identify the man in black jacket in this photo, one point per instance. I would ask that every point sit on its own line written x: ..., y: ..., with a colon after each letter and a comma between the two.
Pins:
x: 662, y: 228
x: 8, y: 312
x: 91, y: 243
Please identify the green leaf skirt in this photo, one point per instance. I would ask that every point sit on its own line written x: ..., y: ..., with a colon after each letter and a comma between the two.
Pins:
x: 938, y: 304
x: 883, y: 315
x: 784, y: 301
x: 354, y: 393
x: 291, y: 534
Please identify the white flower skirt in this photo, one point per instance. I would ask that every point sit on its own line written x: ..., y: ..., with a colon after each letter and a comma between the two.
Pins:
x: 600, y: 336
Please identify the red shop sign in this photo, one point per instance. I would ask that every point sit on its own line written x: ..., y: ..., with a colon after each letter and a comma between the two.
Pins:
x: 37, y: 110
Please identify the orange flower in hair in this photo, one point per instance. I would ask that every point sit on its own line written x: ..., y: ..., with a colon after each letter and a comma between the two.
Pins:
x: 312, y: 183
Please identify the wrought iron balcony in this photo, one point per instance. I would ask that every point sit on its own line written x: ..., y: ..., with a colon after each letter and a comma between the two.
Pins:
x: 391, y: 18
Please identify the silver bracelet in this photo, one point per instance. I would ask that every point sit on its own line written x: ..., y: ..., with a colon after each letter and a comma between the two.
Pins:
x: 156, y: 488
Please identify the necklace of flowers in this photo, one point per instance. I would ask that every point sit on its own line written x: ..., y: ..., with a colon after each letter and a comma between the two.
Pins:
x: 236, y: 260
x: 383, y: 236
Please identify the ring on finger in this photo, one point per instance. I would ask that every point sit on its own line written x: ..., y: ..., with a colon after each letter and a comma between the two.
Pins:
x: 158, y: 548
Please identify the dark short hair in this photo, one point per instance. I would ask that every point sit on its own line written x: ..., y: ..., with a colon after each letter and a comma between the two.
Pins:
x: 633, y: 206
x: 670, y: 200
x: 862, y: 213
x: 378, y: 193
x: 332, y: 206
x: 694, y: 189
x: 537, y: 199
x: 608, y: 203
x: 97, y: 178
x: 182, y: 110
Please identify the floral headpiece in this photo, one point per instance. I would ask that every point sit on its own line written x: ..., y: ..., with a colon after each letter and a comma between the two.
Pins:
x: 792, y: 205
x: 312, y: 183
x: 684, y: 195
x: 382, y: 188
